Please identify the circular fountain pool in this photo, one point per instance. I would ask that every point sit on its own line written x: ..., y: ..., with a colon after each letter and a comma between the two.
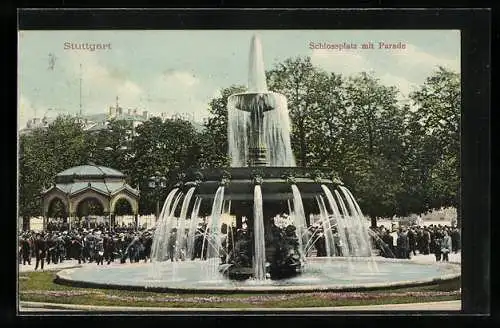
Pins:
x: 320, y: 274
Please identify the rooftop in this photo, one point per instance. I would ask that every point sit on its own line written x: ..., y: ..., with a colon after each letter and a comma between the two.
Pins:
x: 91, y: 170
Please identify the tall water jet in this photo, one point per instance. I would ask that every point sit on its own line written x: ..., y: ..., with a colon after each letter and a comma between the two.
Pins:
x: 258, y: 120
x: 259, y: 258
x: 256, y: 71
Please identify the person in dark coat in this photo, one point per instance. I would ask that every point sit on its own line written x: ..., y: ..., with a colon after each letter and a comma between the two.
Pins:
x: 51, y: 248
x: 455, y: 240
x: 320, y: 243
x: 148, y: 243
x: 437, y: 246
x: 402, y: 245
x: 389, y: 241
x: 426, y: 241
x: 109, y: 249
x: 198, y: 243
x: 99, y: 251
x: 171, y: 244
x: 25, y: 250
x: 446, y: 246
x: 412, y: 241
x: 40, y: 250
x: 80, y: 249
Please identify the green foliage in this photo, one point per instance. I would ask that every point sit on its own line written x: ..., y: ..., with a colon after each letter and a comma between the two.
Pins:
x: 301, y: 83
x: 43, y: 154
x: 161, y: 147
x: 432, y: 144
x: 395, y: 158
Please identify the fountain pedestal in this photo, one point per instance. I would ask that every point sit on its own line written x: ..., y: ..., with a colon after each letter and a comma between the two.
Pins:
x: 257, y: 156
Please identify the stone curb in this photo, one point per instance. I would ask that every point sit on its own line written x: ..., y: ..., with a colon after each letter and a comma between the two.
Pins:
x: 64, y: 277
x: 428, y: 306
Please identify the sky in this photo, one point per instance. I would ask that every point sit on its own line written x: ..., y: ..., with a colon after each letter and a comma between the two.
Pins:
x: 179, y: 71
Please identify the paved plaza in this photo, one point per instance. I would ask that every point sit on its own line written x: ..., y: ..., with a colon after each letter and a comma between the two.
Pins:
x: 27, y: 307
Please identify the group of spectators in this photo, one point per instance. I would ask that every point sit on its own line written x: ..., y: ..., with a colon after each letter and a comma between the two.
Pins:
x: 64, y: 226
x: 101, y: 244
x: 94, y: 245
x: 404, y: 242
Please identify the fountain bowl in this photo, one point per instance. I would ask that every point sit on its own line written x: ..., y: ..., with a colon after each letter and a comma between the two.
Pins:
x: 337, y: 274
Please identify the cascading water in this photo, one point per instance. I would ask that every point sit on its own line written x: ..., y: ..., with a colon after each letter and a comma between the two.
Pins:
x: 213, y: 236
x: 259, y: 258
x: 193, y: 226
x: 344, y: 244
x: 277, y: 128
x: 181, y: 238
x: 327, y: 230
x: 238, y: 134
x: 347, y: 226
x: 299, y: 218
x: 358, y: 225
x: 160, y: 237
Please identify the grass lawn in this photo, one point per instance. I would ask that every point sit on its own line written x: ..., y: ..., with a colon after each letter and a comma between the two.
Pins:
x: 40, y: 287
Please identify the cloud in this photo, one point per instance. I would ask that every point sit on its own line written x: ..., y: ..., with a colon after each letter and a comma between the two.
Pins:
x: 101, y: 83
x: 413, y: 58
x: 25, y: 111
x: 177, y: 91
x: 404, y: 68
x: 404, y: 85
x: 183, y: 78
x: 345, y: 62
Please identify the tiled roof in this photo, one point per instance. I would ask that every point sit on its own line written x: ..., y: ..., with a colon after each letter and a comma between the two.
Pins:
x: 91, y: 170
x: 107, y: 188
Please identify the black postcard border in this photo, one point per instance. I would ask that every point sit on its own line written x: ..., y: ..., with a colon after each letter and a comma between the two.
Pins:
x: 475, y: 26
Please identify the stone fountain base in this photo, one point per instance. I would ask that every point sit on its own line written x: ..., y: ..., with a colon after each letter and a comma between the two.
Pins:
x: 320, y: 274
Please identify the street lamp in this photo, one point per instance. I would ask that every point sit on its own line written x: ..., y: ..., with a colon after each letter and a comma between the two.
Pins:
x: 157, y: 182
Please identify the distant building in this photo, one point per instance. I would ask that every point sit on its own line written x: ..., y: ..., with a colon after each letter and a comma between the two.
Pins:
x: 98, y: 122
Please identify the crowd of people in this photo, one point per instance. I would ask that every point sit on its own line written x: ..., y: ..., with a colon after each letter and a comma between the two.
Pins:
x: 97, y: 245
x: 403, y: 242
x: 101, y: 244
x: 64, y: 226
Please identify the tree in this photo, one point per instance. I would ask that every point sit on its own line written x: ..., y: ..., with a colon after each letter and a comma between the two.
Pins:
x: 433, y: 141
x: 43, y: 154
x: 373, y: 144
x: 161, y: 146
x: 299, y: 81
x: 329, y: 121
x: 111, y: 146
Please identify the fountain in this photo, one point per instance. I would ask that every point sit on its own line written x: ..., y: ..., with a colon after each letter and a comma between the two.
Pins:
x: 234, y: 215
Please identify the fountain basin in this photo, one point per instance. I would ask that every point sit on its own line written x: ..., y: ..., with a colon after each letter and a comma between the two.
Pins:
x: 320, y: 274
